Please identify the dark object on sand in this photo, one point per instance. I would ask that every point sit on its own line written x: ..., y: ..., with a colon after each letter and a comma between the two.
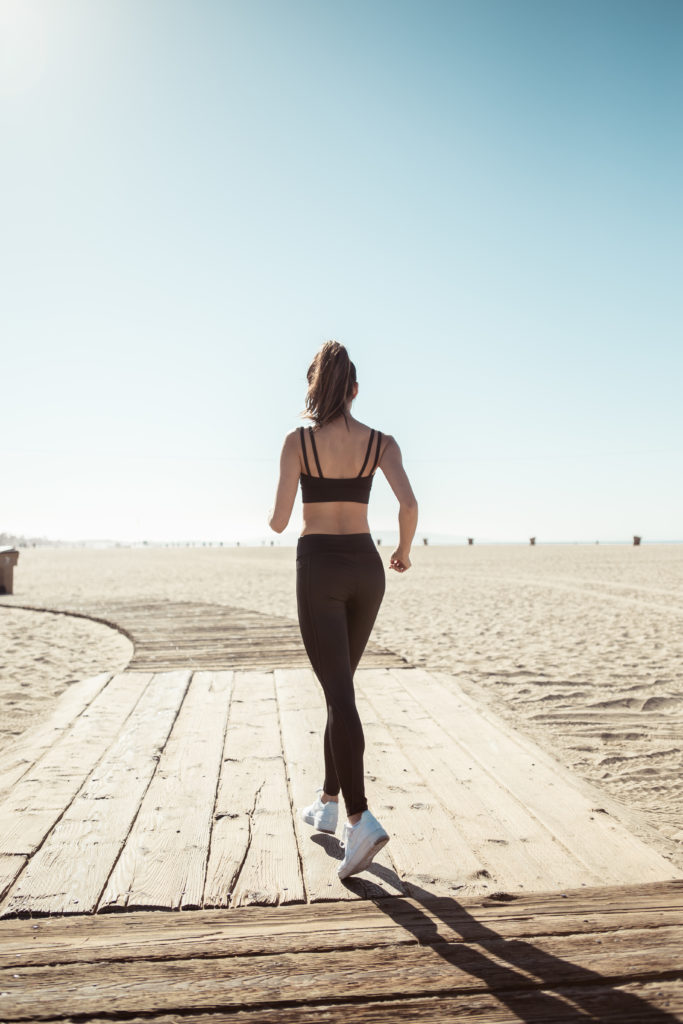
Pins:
x: 636, y: 541
x: 8, y: 559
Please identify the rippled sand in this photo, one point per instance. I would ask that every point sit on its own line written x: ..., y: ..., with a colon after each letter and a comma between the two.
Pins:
x: 580, y: 646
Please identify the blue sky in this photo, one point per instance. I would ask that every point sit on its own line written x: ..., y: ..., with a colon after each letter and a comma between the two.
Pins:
x: 481, y: 199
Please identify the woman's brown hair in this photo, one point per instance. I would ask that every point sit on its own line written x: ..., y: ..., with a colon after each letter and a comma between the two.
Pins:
x: 331, y: 377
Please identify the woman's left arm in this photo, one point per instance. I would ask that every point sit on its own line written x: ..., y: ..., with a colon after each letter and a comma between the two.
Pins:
x: 290, y: 468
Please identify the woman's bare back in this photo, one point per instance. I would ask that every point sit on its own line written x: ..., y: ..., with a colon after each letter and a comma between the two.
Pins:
x: 341, y: 451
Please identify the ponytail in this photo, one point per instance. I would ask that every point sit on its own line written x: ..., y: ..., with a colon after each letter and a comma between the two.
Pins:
x: 331, y: 377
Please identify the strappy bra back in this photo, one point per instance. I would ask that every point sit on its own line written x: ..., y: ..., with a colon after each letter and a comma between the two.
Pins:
x: 326, y: 488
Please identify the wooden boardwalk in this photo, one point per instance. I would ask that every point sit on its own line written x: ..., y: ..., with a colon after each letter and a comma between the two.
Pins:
x: 195, y: 635
x: 609, y: 955
x: 178, y: 790
x: 509, y: 891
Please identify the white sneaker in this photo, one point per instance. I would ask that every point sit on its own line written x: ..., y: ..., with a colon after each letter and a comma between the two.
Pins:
x: 361, y: 843
x: 321, y: 816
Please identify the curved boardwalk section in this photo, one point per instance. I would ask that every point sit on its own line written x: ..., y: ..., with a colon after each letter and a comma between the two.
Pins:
x: 189, y: 634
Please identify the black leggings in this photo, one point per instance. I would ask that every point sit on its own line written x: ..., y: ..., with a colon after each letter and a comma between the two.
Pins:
x: 339, y: 587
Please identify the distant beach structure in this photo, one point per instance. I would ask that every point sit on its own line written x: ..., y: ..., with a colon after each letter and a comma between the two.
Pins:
x: 8, y: 559
x: 470, y: 540
x: 532, y: 541
x: 636, y: 541
x: 425, y: 541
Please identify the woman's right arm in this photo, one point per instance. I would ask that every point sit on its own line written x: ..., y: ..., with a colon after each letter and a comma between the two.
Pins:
x: 391, y: 464
x: 280, y: 514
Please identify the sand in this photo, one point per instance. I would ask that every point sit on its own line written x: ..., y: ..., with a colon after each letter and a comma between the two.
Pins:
x: 580, y: 647
x: 41, y: 655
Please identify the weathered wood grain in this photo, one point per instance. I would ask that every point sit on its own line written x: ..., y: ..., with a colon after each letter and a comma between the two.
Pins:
x: 80, y: 851
x: 151, y: 935
x: 426, y: 847
x: 34, y: 804
x: 302, y: 722
x: 515, y: 849
x: 254, y: 856
x: 641, y: 1002
x: 17, y: 757
x: 163, y: 846
x: 234, y: 983
x: 302, y: 718
x: 163, y: 861
x: 10, y: 867
x: 606, y: 849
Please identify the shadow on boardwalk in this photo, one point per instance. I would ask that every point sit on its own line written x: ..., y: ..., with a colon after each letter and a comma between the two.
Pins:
x: 533, y: 982
x: 561, y: 990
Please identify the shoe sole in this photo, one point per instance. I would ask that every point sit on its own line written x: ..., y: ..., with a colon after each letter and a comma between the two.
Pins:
x: 311, y: 821
x: 376, y: 844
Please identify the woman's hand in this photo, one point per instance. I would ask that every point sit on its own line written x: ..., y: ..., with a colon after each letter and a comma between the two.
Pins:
x: 391, y: 464
x: 399, y: 561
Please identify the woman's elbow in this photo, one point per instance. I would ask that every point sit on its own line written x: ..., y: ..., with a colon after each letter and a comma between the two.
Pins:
x: 409, y: 505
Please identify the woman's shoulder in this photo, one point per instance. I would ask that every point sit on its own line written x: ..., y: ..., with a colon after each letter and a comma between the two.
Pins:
x: 386, y: 441
x: 293, y: 436
x: 291, y: 446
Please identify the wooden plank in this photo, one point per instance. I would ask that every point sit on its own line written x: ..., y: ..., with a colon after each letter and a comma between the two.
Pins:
x: 514, y: 848
x: 596, y: 839
x: 10, y: 867
x: 302, y: 721
x: 20, y: 755
x: 163, y: 861
x: 261, y: 658
x: 426, y: 847
x: 32, y: 807
x: 150, y: 935
x: 233, y: 983
x: 254, y: 856
x: 648, y: 1002
x: 69, y: 872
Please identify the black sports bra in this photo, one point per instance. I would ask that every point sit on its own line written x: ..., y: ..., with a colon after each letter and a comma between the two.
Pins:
x: 351, y: 488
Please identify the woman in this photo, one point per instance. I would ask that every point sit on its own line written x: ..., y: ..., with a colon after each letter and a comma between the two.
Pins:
x: 340, y: 577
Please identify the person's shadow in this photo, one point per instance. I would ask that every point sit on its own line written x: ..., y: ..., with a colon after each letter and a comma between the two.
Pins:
x: 505, y: 972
